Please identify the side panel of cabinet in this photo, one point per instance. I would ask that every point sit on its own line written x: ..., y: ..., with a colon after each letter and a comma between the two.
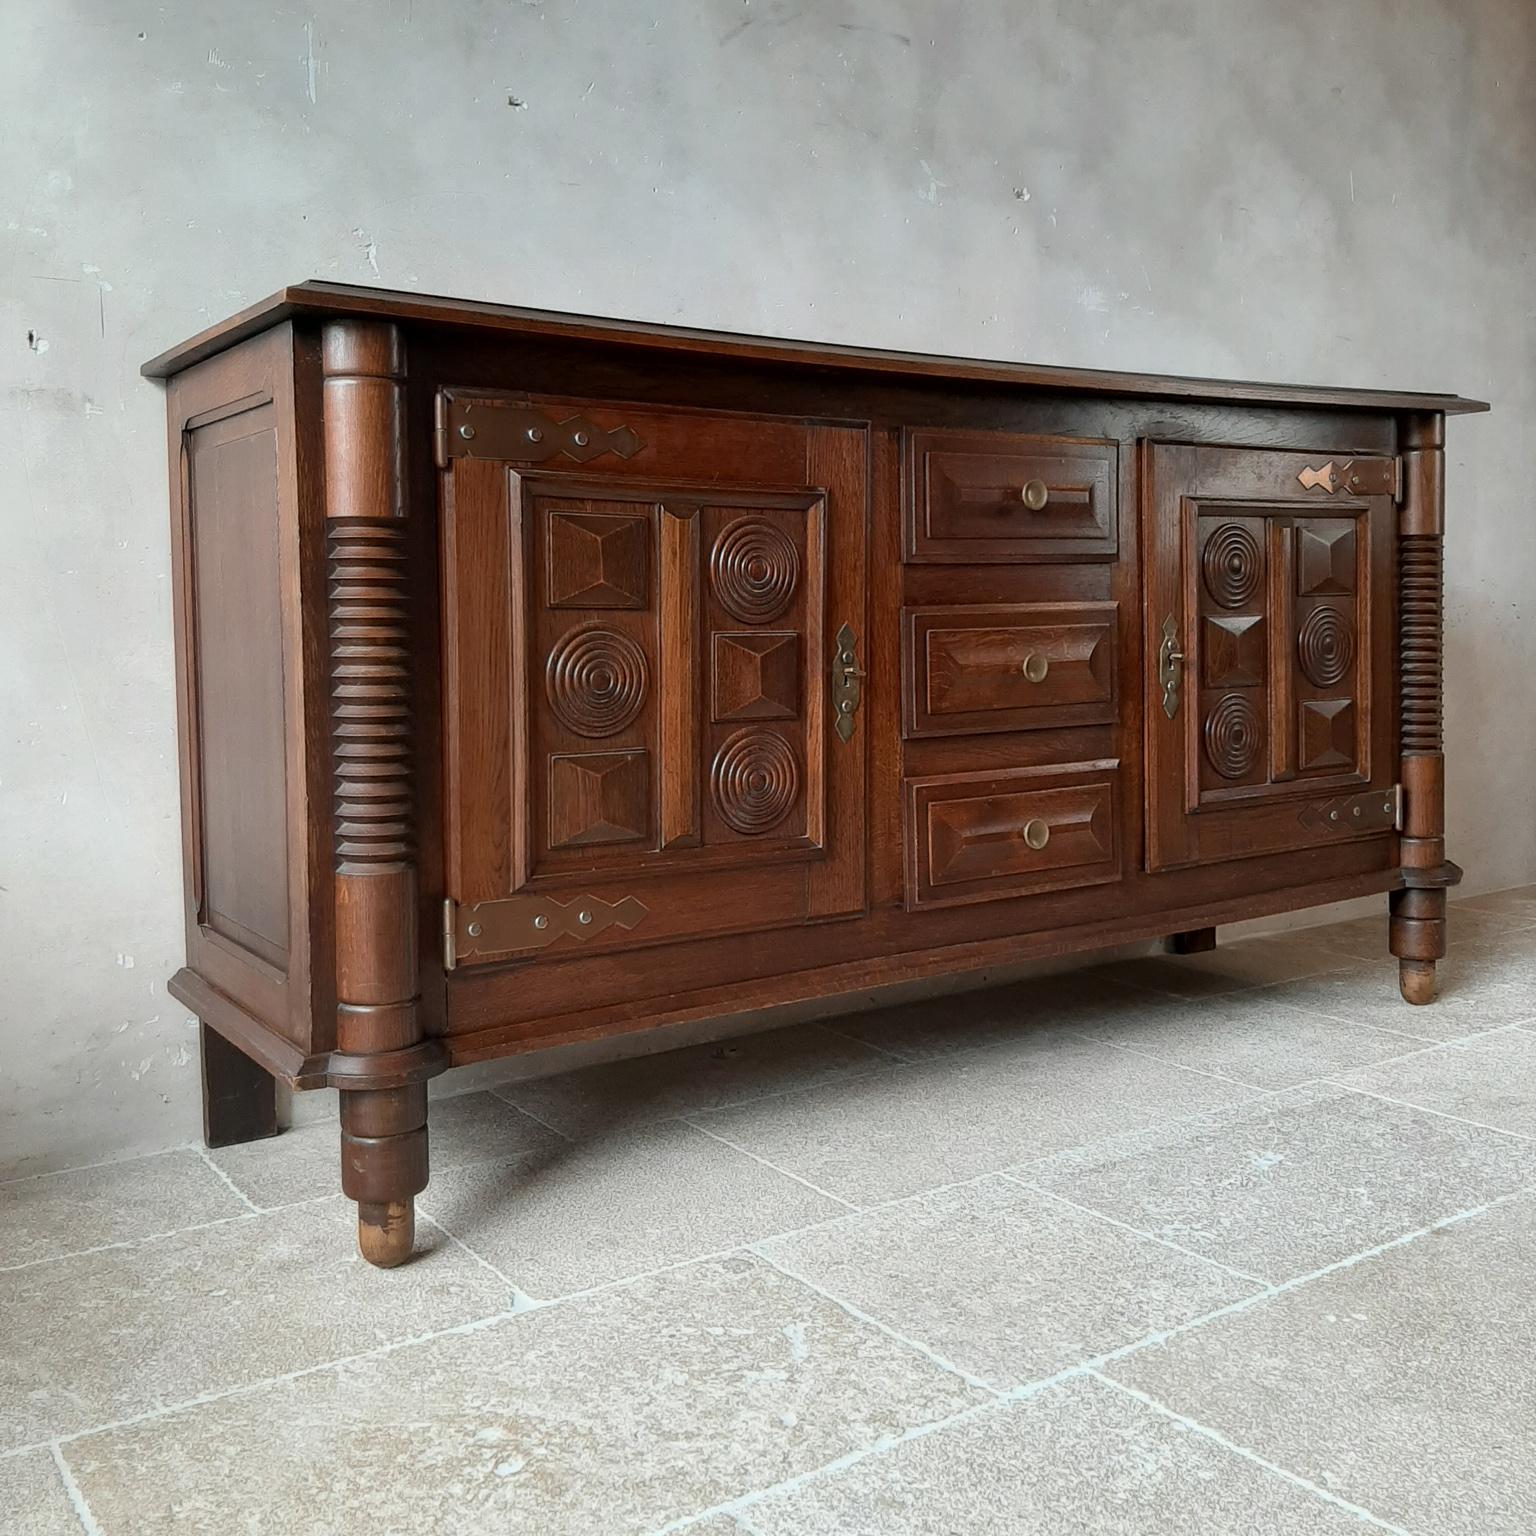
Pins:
x: 639, y: 711
x: 1269, y: 622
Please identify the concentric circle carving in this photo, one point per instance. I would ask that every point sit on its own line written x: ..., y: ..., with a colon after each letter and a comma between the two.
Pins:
x: 755, y: 568
x: 596, y: 680
x: 755, y: 780
x: 1325, y: 646
x: 1233, y: 735
x: 1233, y: 565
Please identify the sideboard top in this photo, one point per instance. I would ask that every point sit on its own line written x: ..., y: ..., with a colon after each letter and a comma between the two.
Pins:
x: 319, y: 300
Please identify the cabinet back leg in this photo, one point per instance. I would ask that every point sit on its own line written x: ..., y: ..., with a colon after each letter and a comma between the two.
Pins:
x: 239, y: 1097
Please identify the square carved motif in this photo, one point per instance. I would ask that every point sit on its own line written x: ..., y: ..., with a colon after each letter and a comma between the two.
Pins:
x: 596, y: 560
x: 1326, y: 728
x: 1232, y: 650
x: 599, y: 797
x: 756, y: 676
x: 1325, y: 555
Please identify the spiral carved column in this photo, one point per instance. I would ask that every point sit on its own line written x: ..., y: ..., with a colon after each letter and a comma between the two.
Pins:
x: 1417, y: 928
x: 382, y: 1062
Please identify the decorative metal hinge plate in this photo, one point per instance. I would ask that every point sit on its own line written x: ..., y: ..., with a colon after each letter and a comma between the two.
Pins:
x: 493, y: 929
x: 475, y: 427
x: 1360, y: 477
x: 847, y: 691
x: 1378, y: 810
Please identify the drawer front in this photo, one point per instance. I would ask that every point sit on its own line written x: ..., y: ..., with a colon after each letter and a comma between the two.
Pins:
x: 983, y: 836
x: 980, y: 498
x: 1009, y: 667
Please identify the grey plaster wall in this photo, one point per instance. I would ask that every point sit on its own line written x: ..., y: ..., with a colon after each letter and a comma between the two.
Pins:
x: 1307, y: 189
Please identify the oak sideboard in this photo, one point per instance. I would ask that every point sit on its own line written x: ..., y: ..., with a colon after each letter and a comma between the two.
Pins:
x: 543, y: 677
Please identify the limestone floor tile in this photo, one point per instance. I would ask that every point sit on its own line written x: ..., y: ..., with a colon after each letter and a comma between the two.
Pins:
x: 32, y: 1498
x: 617, y: 1206
x: 973, y: 1112
x: 1286, y: 1185
x: 1480, y: 989
x: 57, y: 1213
x: 1244, y: 1036
x: 1021, y: 1012
x: 1516, y: 908
x: 1402, y: 1383
x: 618, y: 1413
x: 305, y: 1162
x: 1491, y: 1079
x: 107, y: 1335
x: 1074, y: 1459
x: 1006, y: 1283
x: 700, y: 1077
x: 1233, y: 967
x: 1366, y: 937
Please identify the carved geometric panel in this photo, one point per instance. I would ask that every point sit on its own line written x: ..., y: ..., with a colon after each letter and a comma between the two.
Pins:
x: 754, y: 568
x: 596, y: 680
x: 599, y: 797
x: 1233, y: 565
x: 755, y: 781
x: 1325, y: 645
x: 756, y: 676
x: 1325, y: 555
x: 1326, y: 732
x: 1232, y: 650
x: 1233, y: 735
x: 596, y: 561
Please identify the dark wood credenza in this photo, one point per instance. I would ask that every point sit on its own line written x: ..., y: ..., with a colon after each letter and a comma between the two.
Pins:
x: 544, y: 677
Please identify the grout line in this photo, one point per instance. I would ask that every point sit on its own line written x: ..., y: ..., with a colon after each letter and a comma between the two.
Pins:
x: 1168, y: 1061
x: 72, y: 1489
x: 106, y: 1162
x: 1248, y: 1454
x: 880, y: 1050
x: 521, y: 1302
x: 128, y: 1242
x: 1241, y: 1274
x: 816, y: 1188
x: 202, y: 1152
x: 1443, y: 1114
x: 496, y: 1093
x: 857, y: 1313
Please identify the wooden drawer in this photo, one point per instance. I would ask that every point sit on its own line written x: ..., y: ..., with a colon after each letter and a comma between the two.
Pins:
x: 1009, y: 667
x: 984, y: 836
x: 980, y: 498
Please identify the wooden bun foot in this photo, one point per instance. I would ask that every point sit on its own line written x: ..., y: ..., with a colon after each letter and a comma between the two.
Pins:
x: 386, y: 1233
x: 1416, y: 980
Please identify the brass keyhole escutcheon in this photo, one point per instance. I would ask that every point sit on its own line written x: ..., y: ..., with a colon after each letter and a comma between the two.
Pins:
x: 1036, y: 833
x: 1036, y: 494
x: 1035, y: 666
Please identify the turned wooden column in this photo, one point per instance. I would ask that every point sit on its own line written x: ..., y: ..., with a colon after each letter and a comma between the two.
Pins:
x: 1417, y: 929
x: 382, y: 1062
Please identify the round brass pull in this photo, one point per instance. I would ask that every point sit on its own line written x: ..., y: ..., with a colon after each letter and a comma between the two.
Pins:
x: 1035, y: 666
x: 1036, y: 494
x: 1036, y: 833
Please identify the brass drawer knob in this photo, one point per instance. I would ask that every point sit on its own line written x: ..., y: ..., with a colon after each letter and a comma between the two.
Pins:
x: 1036, y: 833
x: 1035, y: 666
x: 1036, y: 494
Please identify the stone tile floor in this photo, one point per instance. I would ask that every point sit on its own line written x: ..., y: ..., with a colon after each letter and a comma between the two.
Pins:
x: 1231, y: 1243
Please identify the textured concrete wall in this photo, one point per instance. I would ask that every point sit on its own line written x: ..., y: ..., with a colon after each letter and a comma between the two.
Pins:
x: 1218, y: 186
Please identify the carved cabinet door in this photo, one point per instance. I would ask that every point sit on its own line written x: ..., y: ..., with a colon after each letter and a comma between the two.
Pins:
x: 651, y: 702
x: 1268, y: 659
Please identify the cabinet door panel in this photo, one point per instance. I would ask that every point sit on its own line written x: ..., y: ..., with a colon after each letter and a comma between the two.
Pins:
x: 1270, y: 601
x: 639, y: 678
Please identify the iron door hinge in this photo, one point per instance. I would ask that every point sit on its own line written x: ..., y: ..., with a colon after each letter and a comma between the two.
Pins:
x: 1376, y: 810
x: 1359, y: 477
x: 450, y: 935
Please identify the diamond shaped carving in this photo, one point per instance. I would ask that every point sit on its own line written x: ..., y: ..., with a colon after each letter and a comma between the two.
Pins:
x: 599, y: 797
x: 1232, y: 650
x: 756, y: 676
x: 1325, y: 555
x: 598, y: 561
x: 1326, y: 728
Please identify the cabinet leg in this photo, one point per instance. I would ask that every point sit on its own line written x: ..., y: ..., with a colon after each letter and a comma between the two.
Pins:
x: 1196, y: 941
x: 239, y: 1097
x: 1416, y: 935
x: 384, y: 1167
